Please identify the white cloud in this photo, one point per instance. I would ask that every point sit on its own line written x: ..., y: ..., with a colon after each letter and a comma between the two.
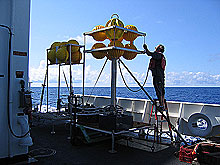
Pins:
x: 172, y: 78
x: 192, y: 79
x: 80, y: 39
x: 37, y: 75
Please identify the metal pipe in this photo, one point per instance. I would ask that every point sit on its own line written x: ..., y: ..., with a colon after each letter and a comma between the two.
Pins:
x: 58, y: 100
x: 117, y: 27
x: 47, y: 82
x: 70, y: 98
x: 84, y: 63
x: 115, y: 48
x: 113, y: 143
x: 71, y: 88
x: 113, y: 81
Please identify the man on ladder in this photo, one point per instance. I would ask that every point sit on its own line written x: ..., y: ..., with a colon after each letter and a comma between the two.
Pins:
x: 157, y: 66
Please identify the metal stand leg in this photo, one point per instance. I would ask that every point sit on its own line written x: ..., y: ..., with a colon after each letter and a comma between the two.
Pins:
x: 53, y: 130
x: 112, y: 151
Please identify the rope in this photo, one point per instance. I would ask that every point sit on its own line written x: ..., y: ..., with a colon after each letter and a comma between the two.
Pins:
x: 66, y: 80
x: 127, y: 84
x: 97, y: 79
x: 137, y: 81
x: 42, y: 152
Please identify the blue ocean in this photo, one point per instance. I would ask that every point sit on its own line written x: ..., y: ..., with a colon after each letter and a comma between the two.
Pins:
x: 209, y: 95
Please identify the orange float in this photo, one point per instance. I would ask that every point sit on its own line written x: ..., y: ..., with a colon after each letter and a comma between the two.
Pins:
x: 99, y: 54
x: 73, y: 48
x: 130, y: 55
x: 129, y: 36
x: 115, y: 53
x: 76, y: 57
x: 99, y: 36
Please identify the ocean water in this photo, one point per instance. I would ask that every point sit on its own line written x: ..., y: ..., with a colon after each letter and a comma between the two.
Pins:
x: 209, y: 95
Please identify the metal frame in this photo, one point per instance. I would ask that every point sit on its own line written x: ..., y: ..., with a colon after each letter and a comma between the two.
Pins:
x: 115, y: 27
x: 113, y: 77
x: 112, y: 133
x: 70, y: 69
x: 114, y: 61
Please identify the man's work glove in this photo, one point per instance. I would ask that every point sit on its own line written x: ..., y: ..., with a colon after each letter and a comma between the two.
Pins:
x: 145, y: 46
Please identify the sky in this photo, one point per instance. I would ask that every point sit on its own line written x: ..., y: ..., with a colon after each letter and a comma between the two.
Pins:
x: 189, y: 29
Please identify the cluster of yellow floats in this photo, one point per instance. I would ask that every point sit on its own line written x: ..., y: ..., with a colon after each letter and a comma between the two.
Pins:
x: 115, y: 36
x: 59, y: 51
x: 63, y: 52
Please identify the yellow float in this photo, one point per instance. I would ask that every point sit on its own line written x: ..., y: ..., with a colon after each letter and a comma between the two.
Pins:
x: 52, y: 56
x: 130, y: 55
x: 52, y: 52
x: 63, y: 43
x: 120, y: 39
x: 73, y: 48
x: 115, y: 53
x: 55, y: 44
x: 99, y: 54
x: 114, y: 34
x: 99, y: 36
x: 76, y: 57
x: 129, y: 36
x: 62, y: 54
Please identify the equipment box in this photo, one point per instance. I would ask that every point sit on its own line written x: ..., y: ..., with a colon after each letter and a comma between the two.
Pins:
x: 116, y: 123
x: 209, y: 154
x: 87, y: 118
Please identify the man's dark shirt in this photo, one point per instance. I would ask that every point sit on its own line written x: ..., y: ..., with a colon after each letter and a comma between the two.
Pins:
x: 158, y: 70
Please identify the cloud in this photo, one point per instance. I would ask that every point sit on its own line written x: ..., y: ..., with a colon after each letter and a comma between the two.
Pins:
x: 37, y: 75
x: 184, y: 78
x: 192, y: 79
x: 80, y: 39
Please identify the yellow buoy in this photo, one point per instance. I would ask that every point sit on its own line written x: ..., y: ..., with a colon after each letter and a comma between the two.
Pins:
x: 62, y: 54
x: 52, y: 52
x: 129, y: 36
x: 130, y: 55
x: 120, y: 39
x: 55, y: 44
x: 99, y: 54
x: 115, y: 53
x: 73, y: 48
x: 114, y: 34
x: 63, y: 43
x: 99, y: 36
x: 52, y: 56
x: 76, y: 57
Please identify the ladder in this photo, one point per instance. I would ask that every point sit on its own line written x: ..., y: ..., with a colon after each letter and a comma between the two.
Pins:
x: 160, y: 121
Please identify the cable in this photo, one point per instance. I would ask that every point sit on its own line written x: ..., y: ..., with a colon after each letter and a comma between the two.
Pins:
x: 42, y: 152
x: 8, y: 90
x: 66, y: 80
x: 127, y: 84
x: 169, y: 123
x: 137, y: 81
x: 42, y: 93
x: 97, y: 79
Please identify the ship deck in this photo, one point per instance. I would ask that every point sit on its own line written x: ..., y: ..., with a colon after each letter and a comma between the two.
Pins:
x: 96, y: 153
